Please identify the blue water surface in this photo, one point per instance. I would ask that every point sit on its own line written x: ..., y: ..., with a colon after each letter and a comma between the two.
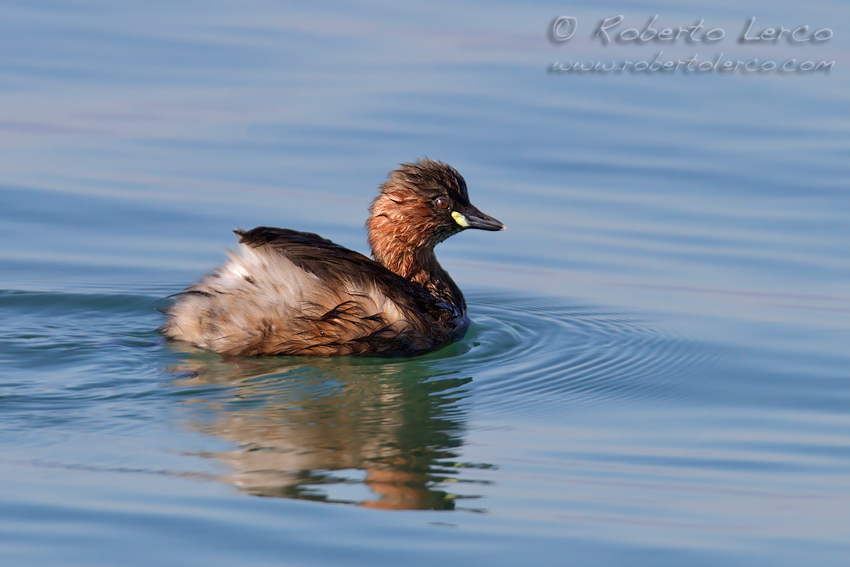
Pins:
x: 657, y: 369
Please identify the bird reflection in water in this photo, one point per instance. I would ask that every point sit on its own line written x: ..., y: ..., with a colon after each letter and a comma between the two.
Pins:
x: 377, y: 433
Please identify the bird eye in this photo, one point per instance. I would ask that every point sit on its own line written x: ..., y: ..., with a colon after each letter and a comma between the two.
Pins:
x: 442, y: 203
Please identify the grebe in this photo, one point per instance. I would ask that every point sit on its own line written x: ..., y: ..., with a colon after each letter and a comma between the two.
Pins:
x: 296, y: 293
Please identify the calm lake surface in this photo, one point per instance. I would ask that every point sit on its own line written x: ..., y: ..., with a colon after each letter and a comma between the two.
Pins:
x: 658, y: 370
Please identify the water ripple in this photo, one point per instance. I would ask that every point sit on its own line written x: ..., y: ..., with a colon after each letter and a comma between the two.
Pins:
x: 535, y: 355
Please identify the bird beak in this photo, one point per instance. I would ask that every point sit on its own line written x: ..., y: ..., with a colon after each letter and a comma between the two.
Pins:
x: 470, y: 217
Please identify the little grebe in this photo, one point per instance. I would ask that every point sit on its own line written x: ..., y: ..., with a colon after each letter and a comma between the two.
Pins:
x: 295, y: 292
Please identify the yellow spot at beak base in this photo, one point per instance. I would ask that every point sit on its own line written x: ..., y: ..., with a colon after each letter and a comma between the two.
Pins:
x: 460, y: 220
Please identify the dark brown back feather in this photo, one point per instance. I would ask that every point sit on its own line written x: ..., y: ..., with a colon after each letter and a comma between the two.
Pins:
x: 330, y: 261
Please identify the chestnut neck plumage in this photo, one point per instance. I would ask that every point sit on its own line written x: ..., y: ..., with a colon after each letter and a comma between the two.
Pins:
x: 402, y: 235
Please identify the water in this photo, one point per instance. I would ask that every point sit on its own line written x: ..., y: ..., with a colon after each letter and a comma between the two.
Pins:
x: 657, y: 369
